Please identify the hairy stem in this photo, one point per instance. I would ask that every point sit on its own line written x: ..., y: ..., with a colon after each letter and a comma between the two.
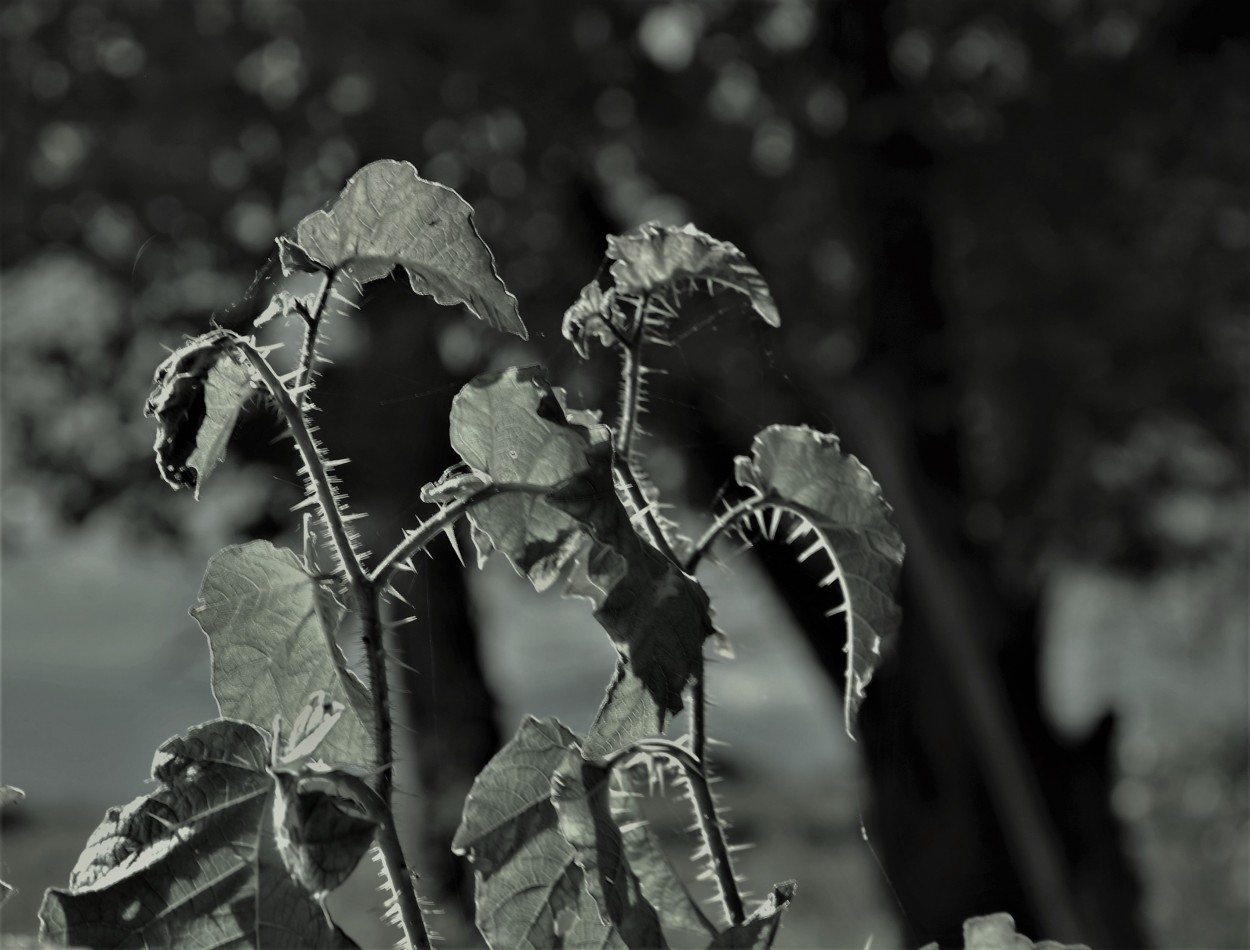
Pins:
x: 297, y: 425
x: 710, y: 826
x: 415, y: 933
x: 719, y: 527
x: 638, y: 502
x: 446, y: 517
x: 698, y: 714
x: 312, y: 324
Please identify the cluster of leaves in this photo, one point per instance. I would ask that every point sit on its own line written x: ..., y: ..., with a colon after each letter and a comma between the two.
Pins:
x: 240, y: 844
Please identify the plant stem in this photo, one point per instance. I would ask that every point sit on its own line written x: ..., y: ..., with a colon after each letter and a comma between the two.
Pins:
x: 312, y: 324
x: 297, y: 425
x: 698, y: 713
x: 446, y: 517
x: 638, y: 501
x: 710, y: 826
x: 393, y: 862
x: 719, y: 527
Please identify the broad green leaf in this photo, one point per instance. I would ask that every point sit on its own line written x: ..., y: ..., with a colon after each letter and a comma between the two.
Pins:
x: 670, y: 260
x: 759, y: 930
x: 579, y: 791
x: 197, y: 393
x: 510, y: 426
x: 264, y: 615
x: 192, y: 864
x: 656, y: 616
x: 388, y: 215
x: 528, y: 884
x: 840, y: 512
x: 998, y: 932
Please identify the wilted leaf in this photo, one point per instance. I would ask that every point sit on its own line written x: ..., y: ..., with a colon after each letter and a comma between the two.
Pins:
x: 759, y: 930
x: 192, y: 864
x: 197, y: 393
x: 511, y: 427
x: 263, y: 615
x: 656, y: 616
x: 840, y: 511
x: 388, y: 215
x: 579, y: 791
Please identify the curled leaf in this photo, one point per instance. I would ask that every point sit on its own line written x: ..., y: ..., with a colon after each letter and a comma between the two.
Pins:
x: 665, y: 260
x: 197, y: 393
x: 320, y: 834
x: 388, y: 216
x: 834, y: 506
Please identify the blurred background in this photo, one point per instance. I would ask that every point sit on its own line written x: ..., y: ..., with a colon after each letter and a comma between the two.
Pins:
x: 1009, y: 243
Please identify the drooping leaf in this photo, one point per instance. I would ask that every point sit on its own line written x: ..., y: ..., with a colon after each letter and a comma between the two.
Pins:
x: 511, y: 427
x: 320, y: 835
x: 656, y: 616
x: 528, y: 883
x: 580, y: 793
x: 759, y: 930
x: 661, y: 884
x: 263, y: 616
x: 194, y: 863
x: 390, y: 216
x: 672, y: 261
x: 998, y: 932
x: 837, y: 509
x: 197, y: 393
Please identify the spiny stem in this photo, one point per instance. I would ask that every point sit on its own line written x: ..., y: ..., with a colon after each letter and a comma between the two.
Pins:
x: 446, y: 517
x: 698, y: 713
x: 631, y: 387
x: 297, y: 424
x: 705, y: 811
x: 638, y: 501
x: 415, y: 933
x: 719, y: 527
x: 312, y: 324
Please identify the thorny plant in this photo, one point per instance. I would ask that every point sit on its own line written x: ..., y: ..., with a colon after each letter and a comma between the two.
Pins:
x: 248, y: 832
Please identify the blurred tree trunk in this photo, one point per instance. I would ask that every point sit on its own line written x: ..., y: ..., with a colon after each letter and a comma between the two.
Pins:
x: 445, y: 711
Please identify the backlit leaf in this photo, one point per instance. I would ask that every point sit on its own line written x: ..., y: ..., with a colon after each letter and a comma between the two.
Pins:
x: 264, y: 615
x: 528, y: 885
x: 580, y: 794
x: 192, y: 864
x: 839, y: 511
x: 389, y: 216
x: 673, y: 261
x: 320, y: 835
x: 511, y: 427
